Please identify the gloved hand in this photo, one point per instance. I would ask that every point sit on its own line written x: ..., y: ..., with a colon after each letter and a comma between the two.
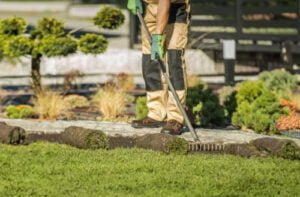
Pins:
x: 157, y: 47
x: 135, y: 6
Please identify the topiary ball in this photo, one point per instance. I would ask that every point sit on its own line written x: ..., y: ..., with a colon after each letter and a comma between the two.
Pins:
x: 13, y: 26
x: 52, y: 46
x: 92, y: 43
x: 50, y: 27
x: 17, y: 46
x: 109, y: 18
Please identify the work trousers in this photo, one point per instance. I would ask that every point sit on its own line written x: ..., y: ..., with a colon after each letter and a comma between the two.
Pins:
x: 160, y: 101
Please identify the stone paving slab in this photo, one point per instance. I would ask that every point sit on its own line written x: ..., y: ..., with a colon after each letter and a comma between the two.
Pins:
x: 124, y: 129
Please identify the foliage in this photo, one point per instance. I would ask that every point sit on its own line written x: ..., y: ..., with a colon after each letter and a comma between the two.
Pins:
x: 93, y: 44
x: 278, y: 81
x: 50, y: 27
x: 141, y: 109
x: 109, y: 18
x: 36, y: 170
x: 258, y: 108
x: 110, y: 101
x: 74, y: 101
x: 212, y: 113
x: 50, y: 105
x: 51, y: 46
x: 227, y: 96
x: 13, y: 26
x: 18, y: 46
x: 20, y: 111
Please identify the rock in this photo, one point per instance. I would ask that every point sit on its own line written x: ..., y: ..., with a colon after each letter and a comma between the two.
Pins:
x: 50, y: 137
x: 244, y: 150
x: 284, y: 148
x: 11, y: 134
x: 84, y: 138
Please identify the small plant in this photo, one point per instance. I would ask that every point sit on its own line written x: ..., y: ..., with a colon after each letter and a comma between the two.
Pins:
x: 257, y: 108
x: 20, y: 111
x: 228, y: 99
x: 141, y: 109
x: 74, y: 101
x: 291, y: 121
x: 50, y: 105
x: 110, y: 101
x: 211, y: 113
x: 279, y: 82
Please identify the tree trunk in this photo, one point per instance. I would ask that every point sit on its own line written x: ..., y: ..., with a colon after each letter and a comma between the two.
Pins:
x: 35, y: 74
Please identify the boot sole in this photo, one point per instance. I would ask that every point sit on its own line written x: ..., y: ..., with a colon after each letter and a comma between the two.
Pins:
x: 149, y: 126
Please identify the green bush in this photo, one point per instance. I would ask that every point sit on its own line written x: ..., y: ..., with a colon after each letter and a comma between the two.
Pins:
x: 96, y: 140
x: 57, y: 46
x: 258, y: 108
x: 21, y: 111
x: 13, y: 26
x: 92, y: 43
x: 278, y: 81
x: 206, y: 106
x: 177, y: 146
x: 17, y: 46
x: 141, y: 107
x: 109, y: 18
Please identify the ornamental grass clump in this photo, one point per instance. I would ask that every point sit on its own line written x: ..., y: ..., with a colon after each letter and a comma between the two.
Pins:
x: 50, y: 105
x: 110, y: 101
x: 257, y: 108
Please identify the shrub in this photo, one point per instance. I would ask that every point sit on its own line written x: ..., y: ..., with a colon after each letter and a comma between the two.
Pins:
x: 110, y: 101
x: 50, y: 105
x: 141, y: 109
x: 20, y: 111
x: 257, y: 109
x: 97, y: 140
x: 109, y: 18
x: 211, y: 113
x: 291, y: 121
x: 278, y: 81
x: 92, y: 43
x: 74, y: 101
x: 228, y: 99
x: 13, y: 26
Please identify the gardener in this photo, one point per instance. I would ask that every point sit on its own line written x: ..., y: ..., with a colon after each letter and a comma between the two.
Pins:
x: 168, y: 22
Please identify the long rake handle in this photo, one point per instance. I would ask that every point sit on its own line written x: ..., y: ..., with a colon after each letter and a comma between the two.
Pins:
x: 171, y: 87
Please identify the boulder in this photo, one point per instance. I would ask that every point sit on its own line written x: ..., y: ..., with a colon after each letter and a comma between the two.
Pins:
x: 11, y: 134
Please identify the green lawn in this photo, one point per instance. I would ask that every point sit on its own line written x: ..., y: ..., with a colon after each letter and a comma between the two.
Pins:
x: 55, y: 170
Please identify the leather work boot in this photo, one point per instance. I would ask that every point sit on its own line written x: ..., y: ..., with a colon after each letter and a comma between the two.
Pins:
x: 173, y: 128
x: 146, y: 123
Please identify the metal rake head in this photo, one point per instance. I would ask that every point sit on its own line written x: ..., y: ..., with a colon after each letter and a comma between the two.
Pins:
x: 206, y: 147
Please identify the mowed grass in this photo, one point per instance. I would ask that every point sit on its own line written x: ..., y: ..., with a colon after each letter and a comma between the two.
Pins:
x: 44, y: 169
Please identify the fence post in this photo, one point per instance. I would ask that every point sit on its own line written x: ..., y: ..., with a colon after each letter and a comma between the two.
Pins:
x: 133, y: 31
x: 229, y: 56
